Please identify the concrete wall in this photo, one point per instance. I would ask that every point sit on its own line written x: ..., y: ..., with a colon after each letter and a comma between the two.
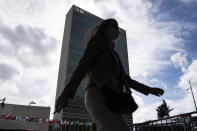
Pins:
x: 23, y: 125
x: 26, y: 110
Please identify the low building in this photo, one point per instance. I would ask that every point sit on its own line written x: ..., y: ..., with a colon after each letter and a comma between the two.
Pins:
x: 25, y: 111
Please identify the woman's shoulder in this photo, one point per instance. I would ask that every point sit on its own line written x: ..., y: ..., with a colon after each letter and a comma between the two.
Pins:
x: 96, y: 41
x: 98, y: 38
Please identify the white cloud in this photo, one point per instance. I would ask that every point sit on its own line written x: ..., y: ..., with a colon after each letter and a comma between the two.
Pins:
x: 145, y: 113
x: 148, y: 40
x: 179, y: 60
x: 189, y: 75
x: 148, y: 112
x: 37, y: 84
x: 179, y: 107
x: 30, y: 51
x: 46, y: 14
x: 138, y: 99
x: 189, y: 1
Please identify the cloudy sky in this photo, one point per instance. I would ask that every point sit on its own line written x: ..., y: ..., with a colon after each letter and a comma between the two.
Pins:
x: 161, y: 38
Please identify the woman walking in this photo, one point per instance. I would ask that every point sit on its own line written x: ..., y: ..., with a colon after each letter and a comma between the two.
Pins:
x: 100, y: 67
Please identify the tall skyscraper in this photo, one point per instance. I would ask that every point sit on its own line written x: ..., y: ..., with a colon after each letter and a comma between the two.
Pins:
x: 78, y: 22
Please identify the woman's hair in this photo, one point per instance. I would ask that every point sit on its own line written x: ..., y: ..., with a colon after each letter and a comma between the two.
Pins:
x: 99, y: 29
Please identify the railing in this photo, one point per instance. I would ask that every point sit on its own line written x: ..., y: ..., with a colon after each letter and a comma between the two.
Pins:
x: 183, y: 122
x: 71, y: 128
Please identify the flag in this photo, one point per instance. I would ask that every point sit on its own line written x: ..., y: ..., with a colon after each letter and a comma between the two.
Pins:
x: 87, y: 123
x: 51, y: 121
x: 13, y: 117
x: 80, y: 123
x: 19, y: 118
x: 40, y: 120
x: 54, y: 121
x: 59, y: 121
x: 76, y: 122
x: 46, y: 121
x: 31, y: 119
x: 67, y: 122
x: 23, y: 118
x: 35, y: 119
x: 64, y: 122
x: 3, y: 116
x: 9, y: 117
x: 26, y: 118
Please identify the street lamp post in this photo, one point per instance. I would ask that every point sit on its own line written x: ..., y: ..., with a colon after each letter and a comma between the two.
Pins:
x: 192, y: 94
x: 32, y: 102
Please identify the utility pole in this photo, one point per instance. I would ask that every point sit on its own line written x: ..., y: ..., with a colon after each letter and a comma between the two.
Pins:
x: 192, y: 94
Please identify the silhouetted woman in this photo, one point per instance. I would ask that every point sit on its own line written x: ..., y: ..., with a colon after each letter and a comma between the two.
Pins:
x: 100, y: 67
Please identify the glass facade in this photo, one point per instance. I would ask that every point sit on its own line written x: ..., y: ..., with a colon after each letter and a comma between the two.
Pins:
x: 78, y: 22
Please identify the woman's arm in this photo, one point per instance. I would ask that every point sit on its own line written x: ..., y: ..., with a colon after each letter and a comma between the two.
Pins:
x: 137, y: 85
x: 91, y: 52
x: 132, y: 83
x: 143, y: 88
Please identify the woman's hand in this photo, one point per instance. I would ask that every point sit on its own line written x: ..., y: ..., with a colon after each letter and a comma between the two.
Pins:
x: 61, y: 103
x: 156, y: 91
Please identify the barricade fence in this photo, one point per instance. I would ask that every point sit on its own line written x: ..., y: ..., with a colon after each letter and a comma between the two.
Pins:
x: 61, y: 127
x: 182, y: 122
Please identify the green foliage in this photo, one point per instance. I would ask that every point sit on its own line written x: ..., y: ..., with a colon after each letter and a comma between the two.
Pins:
x: 163, y: 110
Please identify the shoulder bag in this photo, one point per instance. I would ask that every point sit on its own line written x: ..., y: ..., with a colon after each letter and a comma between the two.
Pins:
x: 120, y: 102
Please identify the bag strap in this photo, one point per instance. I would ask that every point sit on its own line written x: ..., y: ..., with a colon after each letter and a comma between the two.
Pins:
x: 122, y: 71
x: 126, y: 85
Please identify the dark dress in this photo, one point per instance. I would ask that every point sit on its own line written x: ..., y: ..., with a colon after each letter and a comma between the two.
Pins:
x: 117, y: 82
x: 104, y: 119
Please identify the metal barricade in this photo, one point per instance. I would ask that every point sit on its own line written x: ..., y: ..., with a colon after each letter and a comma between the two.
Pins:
x: 182, y: 122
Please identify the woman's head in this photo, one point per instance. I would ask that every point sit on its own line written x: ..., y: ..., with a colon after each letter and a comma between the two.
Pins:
x: 107, y: 28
